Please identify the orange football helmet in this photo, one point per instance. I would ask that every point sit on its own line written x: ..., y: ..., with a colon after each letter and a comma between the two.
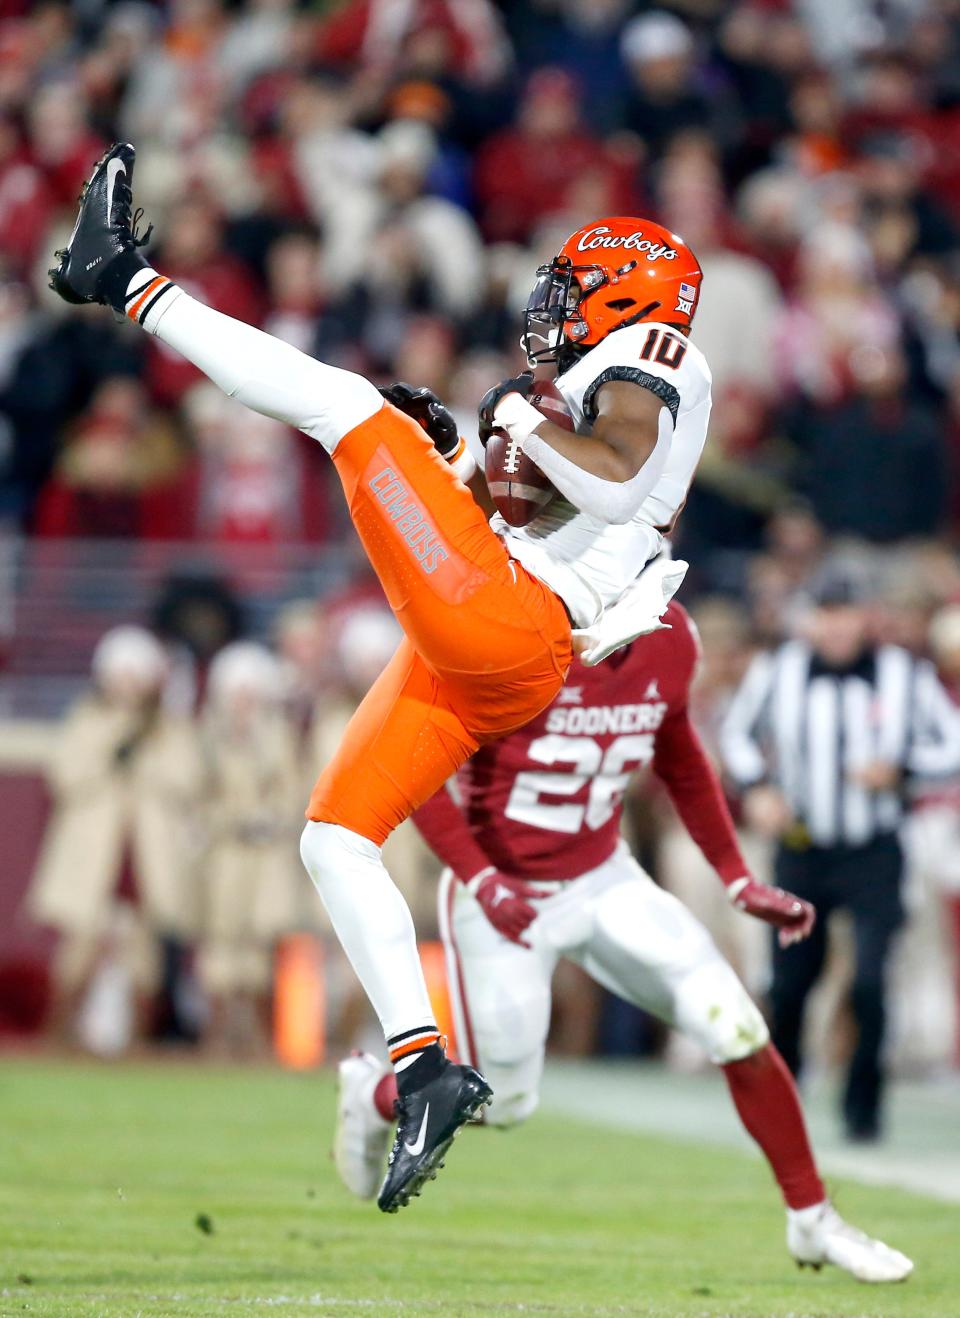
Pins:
x: 610, y: 274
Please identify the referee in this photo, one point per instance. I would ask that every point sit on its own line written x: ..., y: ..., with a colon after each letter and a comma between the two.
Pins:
x: 822, y: 739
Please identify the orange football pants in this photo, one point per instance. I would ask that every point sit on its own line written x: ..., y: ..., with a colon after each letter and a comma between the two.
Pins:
x: 487, y: 645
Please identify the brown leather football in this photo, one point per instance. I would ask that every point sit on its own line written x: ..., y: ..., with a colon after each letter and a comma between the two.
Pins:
x: 517, y: 485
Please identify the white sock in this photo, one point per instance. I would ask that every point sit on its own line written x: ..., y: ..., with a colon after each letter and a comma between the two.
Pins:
x: 375, y: 929
x: 808, y: 1216
x: 265, y: 373
x: 149, y: 294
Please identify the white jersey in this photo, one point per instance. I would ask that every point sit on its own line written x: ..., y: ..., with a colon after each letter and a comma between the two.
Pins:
x: 590, y: 563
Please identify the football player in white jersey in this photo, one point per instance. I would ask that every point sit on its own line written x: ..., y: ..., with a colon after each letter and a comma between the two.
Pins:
x: 612, y: 311
x: 487, y: 620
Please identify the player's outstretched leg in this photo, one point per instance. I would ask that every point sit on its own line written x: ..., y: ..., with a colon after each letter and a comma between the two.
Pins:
x: 648, y: 948
x: 767, y: 1102
x: 102, y: 263
x: 500, y: 996
x: 404, y: 740
x: 435, y: 1096
x: 479, y: 619
x: 498, y: 641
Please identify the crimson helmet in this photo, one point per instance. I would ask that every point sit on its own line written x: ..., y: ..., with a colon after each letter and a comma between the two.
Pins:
x: 612, y: 273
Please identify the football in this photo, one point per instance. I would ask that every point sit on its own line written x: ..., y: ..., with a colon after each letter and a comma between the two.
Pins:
x: 517, y: 485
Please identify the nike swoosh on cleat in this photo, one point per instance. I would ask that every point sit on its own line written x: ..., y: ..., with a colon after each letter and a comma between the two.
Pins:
x: 417, y: 1145
x: 114, y: 167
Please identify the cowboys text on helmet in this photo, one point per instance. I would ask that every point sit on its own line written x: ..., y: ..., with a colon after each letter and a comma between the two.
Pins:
x: 602, y: 237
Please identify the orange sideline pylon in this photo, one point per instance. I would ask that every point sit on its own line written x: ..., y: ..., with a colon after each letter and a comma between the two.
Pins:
x: 300, y: 1003
x: 435, y: 973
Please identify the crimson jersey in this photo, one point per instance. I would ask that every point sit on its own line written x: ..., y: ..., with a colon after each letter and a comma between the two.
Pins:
x: 546, y: 801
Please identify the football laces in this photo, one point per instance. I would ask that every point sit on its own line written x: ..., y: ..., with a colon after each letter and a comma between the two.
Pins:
x: 511, y: 458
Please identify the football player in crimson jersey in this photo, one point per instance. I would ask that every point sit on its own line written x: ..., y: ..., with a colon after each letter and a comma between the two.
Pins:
x: 537, y: 870
x: 487, y: 612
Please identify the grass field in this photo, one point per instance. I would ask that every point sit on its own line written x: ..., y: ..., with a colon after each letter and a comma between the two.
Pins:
x: 171, y: 1190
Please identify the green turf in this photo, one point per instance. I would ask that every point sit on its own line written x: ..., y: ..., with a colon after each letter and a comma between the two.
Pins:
x: 105, y: 1173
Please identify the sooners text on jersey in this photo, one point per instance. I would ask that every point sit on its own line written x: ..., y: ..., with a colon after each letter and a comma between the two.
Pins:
x: 546, y: 802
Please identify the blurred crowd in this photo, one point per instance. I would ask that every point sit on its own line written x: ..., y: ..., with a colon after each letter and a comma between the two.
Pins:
x: 170, y: 870
x: 376, y: 181
x: 170, y: 867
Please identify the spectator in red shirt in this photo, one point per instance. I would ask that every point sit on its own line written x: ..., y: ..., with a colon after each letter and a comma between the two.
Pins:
x: 466, y: 37
x: 62, y: 145
x: 523, y: 173
x: 118, y: 466
x: 253, y: 484
x: 25, y: 203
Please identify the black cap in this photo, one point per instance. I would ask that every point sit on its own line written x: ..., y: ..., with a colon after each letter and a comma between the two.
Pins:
x: 837, y: 585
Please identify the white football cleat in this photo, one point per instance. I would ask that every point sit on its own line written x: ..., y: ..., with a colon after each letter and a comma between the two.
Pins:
x: 361, y: 1137
x: 819, y: 1235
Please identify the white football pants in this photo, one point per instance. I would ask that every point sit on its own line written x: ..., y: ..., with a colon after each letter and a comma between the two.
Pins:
x: 266, y: 374
x: 629, y: 935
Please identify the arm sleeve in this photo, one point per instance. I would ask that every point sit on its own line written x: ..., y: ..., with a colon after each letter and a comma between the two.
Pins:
x: 934, y: 750
x: 681, y: 383
x: 612, y: 502
x: 683, y: 766
x: 740, y: 749
x: 442, y: 826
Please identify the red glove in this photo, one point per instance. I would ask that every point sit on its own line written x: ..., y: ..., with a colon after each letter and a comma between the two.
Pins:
x: 505, y: 903
x: 793, y: 916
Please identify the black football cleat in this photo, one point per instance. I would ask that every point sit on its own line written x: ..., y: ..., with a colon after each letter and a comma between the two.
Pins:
x: 101, y: 254
x: 428, y: 1122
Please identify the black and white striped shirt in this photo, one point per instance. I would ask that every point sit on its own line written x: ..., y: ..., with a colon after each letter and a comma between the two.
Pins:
x: 808, y: 729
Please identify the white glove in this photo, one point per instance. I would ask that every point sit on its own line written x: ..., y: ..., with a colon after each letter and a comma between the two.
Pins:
x: 517, y: 417
x: 636, y: 613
